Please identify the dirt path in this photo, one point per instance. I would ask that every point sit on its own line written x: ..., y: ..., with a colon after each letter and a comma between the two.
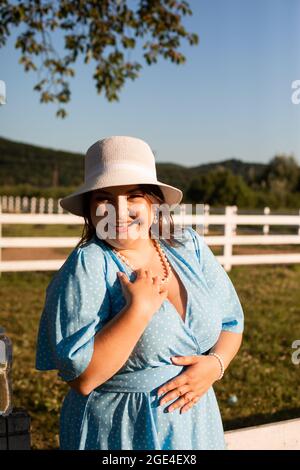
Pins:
x: 20, y: 254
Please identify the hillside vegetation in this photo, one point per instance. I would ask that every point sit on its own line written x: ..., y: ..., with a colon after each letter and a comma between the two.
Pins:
x: 30, y: 170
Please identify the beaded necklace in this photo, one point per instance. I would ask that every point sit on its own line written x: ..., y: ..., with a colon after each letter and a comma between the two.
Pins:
x: 163, y: 258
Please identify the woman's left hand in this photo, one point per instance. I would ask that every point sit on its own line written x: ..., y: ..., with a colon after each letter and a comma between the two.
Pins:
x: 190, y: 385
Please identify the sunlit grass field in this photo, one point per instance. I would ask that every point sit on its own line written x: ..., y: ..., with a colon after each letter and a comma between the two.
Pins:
x: 262, y: 376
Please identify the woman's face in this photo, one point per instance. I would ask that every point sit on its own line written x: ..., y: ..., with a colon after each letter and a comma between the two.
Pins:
x: 121, y: 214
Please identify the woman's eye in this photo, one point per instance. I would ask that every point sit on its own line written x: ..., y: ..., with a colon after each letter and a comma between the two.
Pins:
x: 105, y: 199
x: 136, y: 195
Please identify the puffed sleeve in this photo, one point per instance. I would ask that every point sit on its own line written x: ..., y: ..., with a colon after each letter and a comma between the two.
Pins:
x: 76, y: 307
x: 221, y: 285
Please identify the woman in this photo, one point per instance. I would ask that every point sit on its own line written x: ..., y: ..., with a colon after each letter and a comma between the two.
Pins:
x: 124, y: 304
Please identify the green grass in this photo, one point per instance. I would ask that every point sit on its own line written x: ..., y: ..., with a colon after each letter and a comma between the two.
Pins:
x: 262, y: 375
x: 41, y: 230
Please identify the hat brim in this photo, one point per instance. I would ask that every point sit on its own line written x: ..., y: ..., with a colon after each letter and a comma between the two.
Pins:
x: 74, y: 202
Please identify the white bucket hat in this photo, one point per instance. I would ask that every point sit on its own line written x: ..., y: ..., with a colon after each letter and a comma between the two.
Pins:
x: 118, y: 160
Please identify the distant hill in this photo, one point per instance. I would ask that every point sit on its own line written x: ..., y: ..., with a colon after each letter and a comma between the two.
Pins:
x: 37, y: 166
x: 249, y: 171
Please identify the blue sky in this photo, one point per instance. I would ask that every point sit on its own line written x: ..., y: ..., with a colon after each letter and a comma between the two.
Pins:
x: 231, y: 99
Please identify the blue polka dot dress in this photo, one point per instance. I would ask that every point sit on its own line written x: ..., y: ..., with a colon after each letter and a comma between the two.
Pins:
x: 124, y: 412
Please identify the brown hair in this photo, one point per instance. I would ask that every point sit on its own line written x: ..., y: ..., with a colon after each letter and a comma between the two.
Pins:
x: 149, y: 190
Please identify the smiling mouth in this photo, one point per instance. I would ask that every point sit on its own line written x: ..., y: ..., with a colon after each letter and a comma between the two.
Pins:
x: 124, y: 226
x: 127, y: 224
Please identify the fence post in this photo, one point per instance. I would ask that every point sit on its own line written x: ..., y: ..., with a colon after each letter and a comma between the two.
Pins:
x: 24, y: 205
x: 233, y: 227
x: 11, y: 206
x: 229, y: 222
x: 206, y: 218
x: 42, y: 204
x: 18, y: 204
x: 182, y: 214
x: 59, y: 208
x: 50, y: 205
x: 4, y: 203
x: 33, y: 205
x: 266, y: 227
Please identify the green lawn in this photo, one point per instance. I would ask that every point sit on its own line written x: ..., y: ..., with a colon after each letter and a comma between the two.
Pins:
x: 262, y: 375
x: 41, y: 230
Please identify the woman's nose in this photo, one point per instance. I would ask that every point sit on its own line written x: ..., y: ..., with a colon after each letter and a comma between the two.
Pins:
x: 122, y: 208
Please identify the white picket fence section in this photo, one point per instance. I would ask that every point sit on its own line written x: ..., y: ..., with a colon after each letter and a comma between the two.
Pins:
x: 32, y: 205
x: 42, y: 205
x: 230, y: 220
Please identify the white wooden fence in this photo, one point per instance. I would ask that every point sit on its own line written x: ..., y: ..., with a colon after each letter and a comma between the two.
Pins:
x: 32, y: 205
x: 230, y: 220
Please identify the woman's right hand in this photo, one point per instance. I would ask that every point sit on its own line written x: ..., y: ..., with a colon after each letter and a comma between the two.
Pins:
x: 145, y: 292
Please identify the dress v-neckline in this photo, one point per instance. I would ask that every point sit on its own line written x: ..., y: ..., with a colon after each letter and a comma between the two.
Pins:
x: 168, y: 255
x: 183, y: 320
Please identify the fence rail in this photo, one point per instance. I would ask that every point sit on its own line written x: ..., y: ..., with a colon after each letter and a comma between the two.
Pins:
x: 281, y: 435
x: 229, y: 220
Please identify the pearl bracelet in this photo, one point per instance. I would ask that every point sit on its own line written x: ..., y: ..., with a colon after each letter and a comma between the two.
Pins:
x: 220, y: 362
